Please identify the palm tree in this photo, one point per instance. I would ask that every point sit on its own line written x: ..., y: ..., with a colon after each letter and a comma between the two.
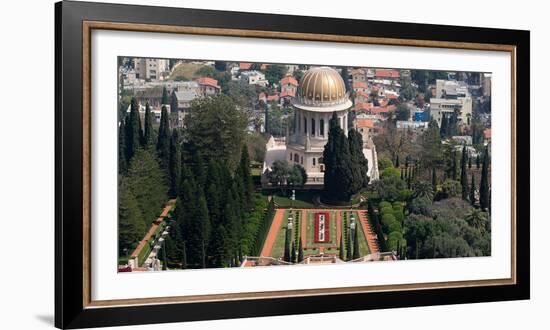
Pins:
x: 423, y: 189
x: 477, y: 219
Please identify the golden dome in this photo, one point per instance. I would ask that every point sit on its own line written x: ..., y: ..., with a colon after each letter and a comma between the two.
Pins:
x: 322, y: 86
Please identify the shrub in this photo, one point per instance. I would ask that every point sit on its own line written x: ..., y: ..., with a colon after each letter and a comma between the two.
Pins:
x: 386, y: 210
x: 384, y: 204
x: 387, y: 220
x: 395, y: 227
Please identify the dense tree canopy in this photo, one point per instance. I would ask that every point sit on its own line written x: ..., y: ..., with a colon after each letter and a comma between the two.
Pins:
x: 216, y: 127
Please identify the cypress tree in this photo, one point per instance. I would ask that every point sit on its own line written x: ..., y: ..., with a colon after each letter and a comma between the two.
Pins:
x: 217, y: 247
x: 342, y: 252
x: 163, y: 140
x: 396, y: 161
x: 356, y: 252
x: 338, y: 175
x: 484, y: 185
x: 300, y: 251
x: 148, y: 131
x: 184, y: 257
x: 164, y: 260
x: 245, y: 177
x: 434, y: 180
x: 464, y: 175
x: 469, y: 162
x: 286, y: 256
x: 402, y: 176
x: 174, y: 169
x: 473, y: 191
x: 122, y: 160
x: 358, y: 165
x: 453, y: 165
x: 165, y: 98
x: 134, y: 135
x: 349, y: 252
x: 293, y: 256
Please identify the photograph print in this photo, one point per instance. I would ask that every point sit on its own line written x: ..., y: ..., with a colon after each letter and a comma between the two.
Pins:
x: 240, y: 164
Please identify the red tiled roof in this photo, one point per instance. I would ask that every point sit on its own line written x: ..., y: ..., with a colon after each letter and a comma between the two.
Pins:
x: 289, y: 80
x: 487, y: 133
x: 386, y: 73
x: 365, y: 123
x: 363, y: 106
x: 273, y: 97
x: 362, y: 93
x: 288, y: 92
x: 391, y: 96
x: 263, y: 66
x: 245, y: 66
x: 208, y: 81
x: 357, y: 71
x: 360, y: 84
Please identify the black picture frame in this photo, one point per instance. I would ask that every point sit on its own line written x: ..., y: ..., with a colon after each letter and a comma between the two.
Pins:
x: 70, y: 310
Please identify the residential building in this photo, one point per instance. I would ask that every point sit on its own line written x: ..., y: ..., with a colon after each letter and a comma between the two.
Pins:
x: 254, y: 78
x: 151, y: 68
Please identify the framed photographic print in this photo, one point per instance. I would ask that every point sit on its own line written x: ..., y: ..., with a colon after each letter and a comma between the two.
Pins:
x: 218, y: 164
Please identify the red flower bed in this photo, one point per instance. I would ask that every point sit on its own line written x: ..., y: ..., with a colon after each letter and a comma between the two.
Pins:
x: 322, y: 227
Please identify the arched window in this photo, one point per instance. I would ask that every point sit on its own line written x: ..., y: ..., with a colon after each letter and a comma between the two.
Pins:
x: 322, y: 167
x: 302, y: 160
x: 291, y: 156
x: 322, y: 127
x: 313, y: 161
x: 305, y: 124
x: 312, y: 126
x: 295, y: 158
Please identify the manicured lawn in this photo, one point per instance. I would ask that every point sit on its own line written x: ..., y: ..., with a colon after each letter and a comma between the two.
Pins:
x: 278, y: 249
x: 304, y: 199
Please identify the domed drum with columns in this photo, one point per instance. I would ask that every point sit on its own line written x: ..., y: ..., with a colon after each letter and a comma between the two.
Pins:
x: 321, y: 93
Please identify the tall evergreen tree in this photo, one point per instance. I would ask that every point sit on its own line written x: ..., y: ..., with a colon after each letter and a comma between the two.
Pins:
x: 300, y: 250
x: 122, y: 160
x: 342, y: 252
x: 174, y: 169
x: 473, y: 191
x: 164, y: 259
x: 286, y: 255
x: 359, y: 164
x: 245, y: 177
x: 484, y: 201
x: 338, y: 174
x: 293, y: 253
x: 148, y: 183
x: 217, y: 248
x: 165, y: 99
x: 131, y: 224
x: 454, y: 170
x: 356, y: 252
x: 163, y: 140
x: 345, y: 76
x: 464, y: 175
x: 396, y: 161
x: 134, y: 135
x: 349, y: 252
x: 148, y: 132
x: 434, y: 180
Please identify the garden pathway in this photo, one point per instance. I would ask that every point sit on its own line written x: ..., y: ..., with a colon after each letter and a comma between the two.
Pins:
x: 273, y: 231
x: 372, y: 240
x: 153, y: 228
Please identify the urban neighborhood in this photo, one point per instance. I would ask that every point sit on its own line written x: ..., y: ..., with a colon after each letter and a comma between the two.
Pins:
x: 241, y: 164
